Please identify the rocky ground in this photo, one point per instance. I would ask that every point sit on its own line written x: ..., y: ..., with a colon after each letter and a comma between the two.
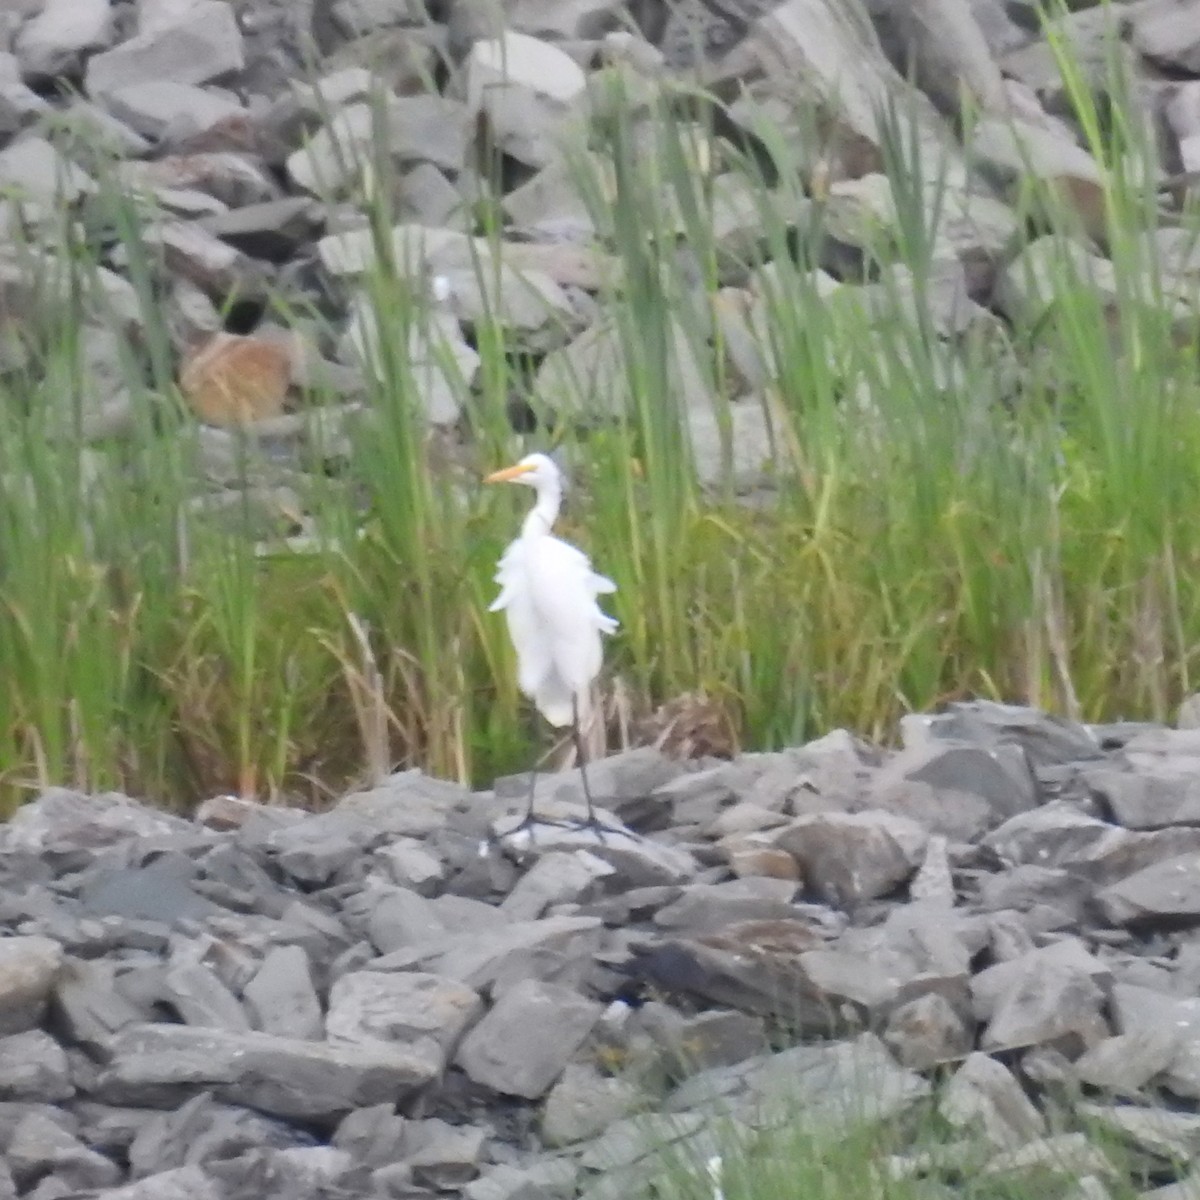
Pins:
x: 384, y: 1000
x: 241, y: 132
x: 379, y: 1001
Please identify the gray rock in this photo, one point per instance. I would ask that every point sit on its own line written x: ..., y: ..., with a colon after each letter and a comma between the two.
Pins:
x: 157, y: 106
x: 284, y: 1076
x: 846, y: 858
x: 201, y: 998
x: 41, y: 1147
x: 557, y: 878
x: 1125, y: 1064
x: 161, y: 891
x: 477, y: 959
x: 1166, y: 32
x: 34, y: 169
x: 89, y: 1006
x: 637, y: 861
x: 527, y: 89
x: 927, y: 1031
x: 754, y: 967
x: 180, y: 1183
x: 204, y: 43
x: 187, y: 249
x: 708, y: 907
x: 1066, y: 1154
x: 33, y: 1066
x: 443, y: 1156
x: 1016, y: 154
x: 29, y: 968
x: 1059, y: 1005
x: 583, y: 1103
x: 990, y: 986
x: 53, y: 41
x: 985, y: 1098
x: 234, y: 179
x: 943, y: 42
x: 632, y: 1139
x: 824, y: 1090
x: 1046, y: 739
x: 425, y: 1013
x: 273, y: 230
x: 1166, y: 889
x: 201, y: 1130
x: 694, y: 1043
x: 1150, y: 798
x: 1160, y: 1133
x: 551, y: 1179
x: 522, y: 1045
x: 281, y: 998
x: 415, y: 129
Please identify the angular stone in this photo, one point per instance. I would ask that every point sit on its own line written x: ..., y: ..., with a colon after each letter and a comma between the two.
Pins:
x: 204, y: 43
x: 1173, y: 1136
x: 1048, y: 740
x: 285, y: 1076
x: 847, y: 858
x: 583, y: 1103
x: 983, y: 1096
x: 187, y: 249
x: 558, y: 878
x: 441, y: 1155
x: 51, y: 43
x: 1168, y: 34
x: 990, y: 986
x: 521, y: 1047
x: 1125, y: 1064
x: 754, y: 967
x: 1169, y: 889
x: 234, y: 179
x: 708, y: 907
x: 927, y: 1031
x: 156, y: 106
x: 1060, y: 1004
x: 530, y: 303
x: 29, y: 967
x: 88, y: 1005
x: 824, y: 1089
x: 1149, y: 797
x: 281, y: 997
x: 34, y: 1067
x: 1066, y: 1154
x: 41, y: 1148
x: 1016, y: 153
x: 180, y: 1183
x: 550, y: 1179
x: 34, y: 169
x: 200, y: 997
x: 413, y: 128
x: 527, y: 89
x: 425, y: 1013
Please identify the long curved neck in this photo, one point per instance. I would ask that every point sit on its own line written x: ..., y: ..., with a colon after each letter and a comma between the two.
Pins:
x: 541, y: 517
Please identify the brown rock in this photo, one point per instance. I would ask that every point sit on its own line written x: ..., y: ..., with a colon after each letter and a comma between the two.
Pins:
x: 233, y: 380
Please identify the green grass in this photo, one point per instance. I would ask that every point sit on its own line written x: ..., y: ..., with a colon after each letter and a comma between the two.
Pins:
x: 931, y: 531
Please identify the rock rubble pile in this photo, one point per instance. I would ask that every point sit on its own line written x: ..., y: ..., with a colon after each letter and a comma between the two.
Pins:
x: 996, y: 921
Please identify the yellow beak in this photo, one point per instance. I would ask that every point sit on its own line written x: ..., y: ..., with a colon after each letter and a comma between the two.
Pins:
x: 508, y: 474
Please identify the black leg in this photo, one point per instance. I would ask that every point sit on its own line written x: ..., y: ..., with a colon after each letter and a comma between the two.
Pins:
x: 577, y: 733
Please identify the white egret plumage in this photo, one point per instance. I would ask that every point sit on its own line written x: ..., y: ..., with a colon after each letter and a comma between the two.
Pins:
x: 548, y: 594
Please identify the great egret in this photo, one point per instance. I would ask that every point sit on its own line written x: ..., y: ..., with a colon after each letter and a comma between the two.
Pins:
x: 548, y: 594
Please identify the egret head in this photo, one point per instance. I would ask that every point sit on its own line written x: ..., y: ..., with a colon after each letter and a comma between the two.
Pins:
x: 534, y: 470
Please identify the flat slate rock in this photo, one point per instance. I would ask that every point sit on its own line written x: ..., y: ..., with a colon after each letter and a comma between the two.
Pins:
x: 285, y: 1076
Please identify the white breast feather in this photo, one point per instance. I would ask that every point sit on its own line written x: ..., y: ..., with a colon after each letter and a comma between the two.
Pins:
x: 548, y: 593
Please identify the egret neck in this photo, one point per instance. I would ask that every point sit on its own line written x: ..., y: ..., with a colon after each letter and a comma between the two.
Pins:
x: 544, y: 513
